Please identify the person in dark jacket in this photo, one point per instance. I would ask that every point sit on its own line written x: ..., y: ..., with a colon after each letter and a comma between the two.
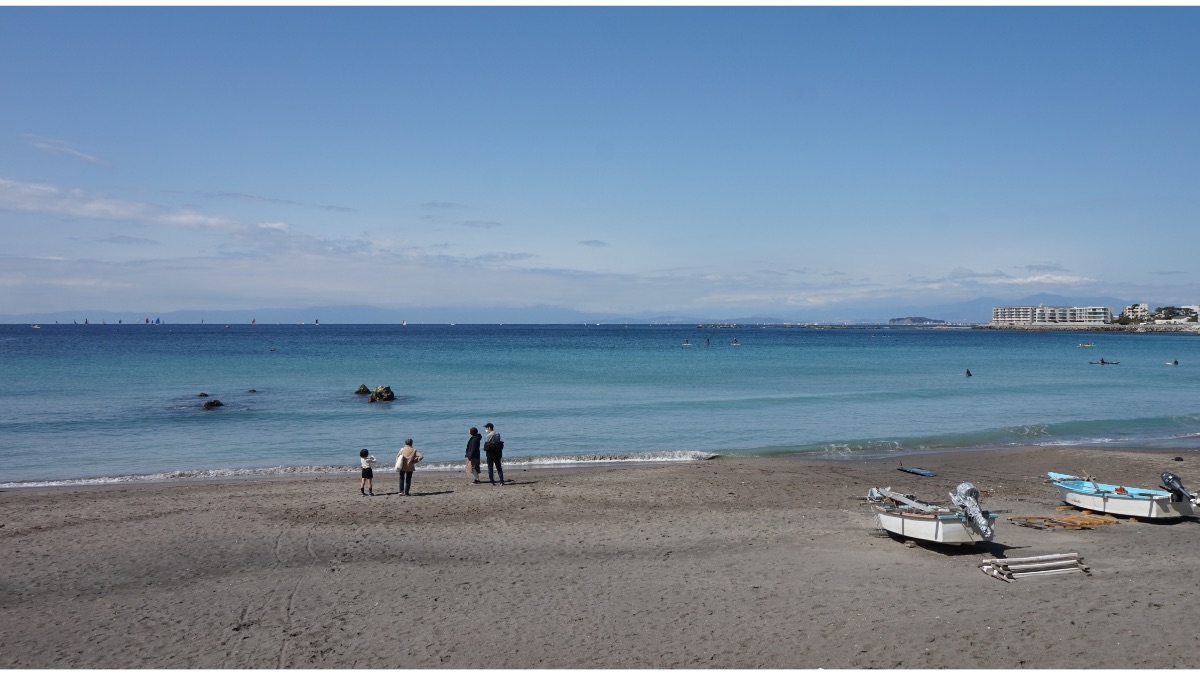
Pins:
x: 493, y: 447
x: 473, y: 454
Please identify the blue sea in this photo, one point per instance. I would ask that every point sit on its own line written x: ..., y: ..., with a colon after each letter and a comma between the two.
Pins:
x: 94, y: 403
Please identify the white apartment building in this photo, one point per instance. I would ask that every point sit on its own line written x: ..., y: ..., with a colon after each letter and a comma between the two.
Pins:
x: 1138, y: 312
x: 1051, y: 315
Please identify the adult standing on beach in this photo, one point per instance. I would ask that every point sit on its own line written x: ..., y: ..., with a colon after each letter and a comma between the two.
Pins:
x: 473, y: 453
x: 493, y: 447
x: 406, y: 463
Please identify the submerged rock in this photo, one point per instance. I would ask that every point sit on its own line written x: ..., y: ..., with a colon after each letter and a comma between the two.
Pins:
x: 382, y: 393
x: 362, y: 390
x: 215, y: 403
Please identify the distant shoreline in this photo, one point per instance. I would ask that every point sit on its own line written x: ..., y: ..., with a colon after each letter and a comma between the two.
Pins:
x: 1099, y: 328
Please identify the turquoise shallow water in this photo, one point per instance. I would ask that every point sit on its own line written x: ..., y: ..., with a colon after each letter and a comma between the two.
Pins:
x: 96, y: 403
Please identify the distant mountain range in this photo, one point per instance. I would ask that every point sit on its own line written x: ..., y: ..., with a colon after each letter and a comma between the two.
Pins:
x: 979, y: 310
x: 970, y: 311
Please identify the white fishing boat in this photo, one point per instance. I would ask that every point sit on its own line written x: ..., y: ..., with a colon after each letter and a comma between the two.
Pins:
x: 1174, y: 501
x: 906, y: 516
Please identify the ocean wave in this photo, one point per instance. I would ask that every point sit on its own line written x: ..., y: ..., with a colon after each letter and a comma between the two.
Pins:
x: 858, y: 449
x: 1029, y: 430
x: 1141, y: 432
x: 544, y: 461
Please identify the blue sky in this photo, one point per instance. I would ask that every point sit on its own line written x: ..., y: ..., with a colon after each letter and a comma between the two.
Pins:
x: 794, y: 162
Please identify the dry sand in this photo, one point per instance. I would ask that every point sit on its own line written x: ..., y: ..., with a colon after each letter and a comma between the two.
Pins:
x: 728, y: 563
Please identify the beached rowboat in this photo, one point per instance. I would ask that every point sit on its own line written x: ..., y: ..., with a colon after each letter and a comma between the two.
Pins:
x: 1172, y: 502
x: 906, y: 516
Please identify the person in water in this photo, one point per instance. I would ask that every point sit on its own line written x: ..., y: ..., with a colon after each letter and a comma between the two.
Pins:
x: 968, y: 372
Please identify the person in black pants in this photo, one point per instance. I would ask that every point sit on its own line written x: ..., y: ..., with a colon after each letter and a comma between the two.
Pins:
x: 493, y: 447
x: 406, y: 463
x: 473, y: 454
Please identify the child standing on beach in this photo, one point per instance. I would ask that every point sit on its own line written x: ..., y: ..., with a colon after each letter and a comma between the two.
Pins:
x: 367, y: 460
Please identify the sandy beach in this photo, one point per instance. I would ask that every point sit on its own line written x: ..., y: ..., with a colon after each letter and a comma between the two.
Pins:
x: 729, y: 563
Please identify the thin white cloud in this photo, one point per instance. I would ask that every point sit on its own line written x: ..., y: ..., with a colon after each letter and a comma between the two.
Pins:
x: 500, y: 256
x: 58, y: 147
x: 1042, y: 267
x: 127, y: 240
x: 283, y: 266
x: 52, y: 200
x: 1043, y: 279
x: 43, y: 198
x: 963, y: 274
x: 275, y: 200
x: 961, y: 277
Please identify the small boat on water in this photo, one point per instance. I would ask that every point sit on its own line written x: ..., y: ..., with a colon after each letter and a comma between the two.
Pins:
x: 1173, y: 501
x: 904, y: 515
x: 1087, y: 344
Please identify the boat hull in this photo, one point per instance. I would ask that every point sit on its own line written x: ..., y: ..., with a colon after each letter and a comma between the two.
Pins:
x: 942, y: 528
x: 1135, y: 503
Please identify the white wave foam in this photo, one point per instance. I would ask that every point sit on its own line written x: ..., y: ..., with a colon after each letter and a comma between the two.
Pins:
x: 1029, y: 430
x: 862, y: 449
x: 545, y: 461
x: 185, y: 475
x: 594, y: 458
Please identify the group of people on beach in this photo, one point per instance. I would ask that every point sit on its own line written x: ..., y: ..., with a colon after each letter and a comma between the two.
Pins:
x: 408, y: 457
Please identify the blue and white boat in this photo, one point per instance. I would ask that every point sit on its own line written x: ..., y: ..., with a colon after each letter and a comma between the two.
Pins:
x: 906, y: 516
x: 1174, y: 501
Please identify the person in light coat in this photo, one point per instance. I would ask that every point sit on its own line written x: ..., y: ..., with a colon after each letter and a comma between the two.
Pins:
x: 406, y: 463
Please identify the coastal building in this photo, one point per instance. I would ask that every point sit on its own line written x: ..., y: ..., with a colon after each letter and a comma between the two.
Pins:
x: 1138, y: 312
x: 1042, y: 314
